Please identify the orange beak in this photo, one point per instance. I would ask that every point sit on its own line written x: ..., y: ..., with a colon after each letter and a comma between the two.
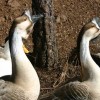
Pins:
x: 25, y: 49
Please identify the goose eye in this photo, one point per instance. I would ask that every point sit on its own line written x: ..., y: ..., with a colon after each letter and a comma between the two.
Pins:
x: 25, y: 18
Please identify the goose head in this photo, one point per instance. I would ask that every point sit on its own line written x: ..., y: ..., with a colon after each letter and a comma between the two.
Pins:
x: 92, y: 29
x: 25, y: 23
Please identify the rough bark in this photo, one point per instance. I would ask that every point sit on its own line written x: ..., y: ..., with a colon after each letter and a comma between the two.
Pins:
x: 45, y: 47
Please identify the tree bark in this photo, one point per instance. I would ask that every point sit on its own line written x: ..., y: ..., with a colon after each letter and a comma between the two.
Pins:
x: 45, y: 47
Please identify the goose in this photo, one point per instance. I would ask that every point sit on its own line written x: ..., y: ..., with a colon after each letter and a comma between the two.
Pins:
x: 5, y: 60
x: 25, y: 84
x: 89, y: 88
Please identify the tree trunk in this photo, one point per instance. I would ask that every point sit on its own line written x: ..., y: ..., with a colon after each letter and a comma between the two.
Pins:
x: 45, y: 47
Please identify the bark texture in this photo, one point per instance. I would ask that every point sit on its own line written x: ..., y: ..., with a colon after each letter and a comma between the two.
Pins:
x: 45, y: 47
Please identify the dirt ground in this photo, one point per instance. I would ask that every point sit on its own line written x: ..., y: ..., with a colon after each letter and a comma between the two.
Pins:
x: 70, y: 16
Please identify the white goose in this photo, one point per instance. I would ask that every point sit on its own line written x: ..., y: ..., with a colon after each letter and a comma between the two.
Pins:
x: 25, y: 83
x: 89, y: 89
x: 5, y: 60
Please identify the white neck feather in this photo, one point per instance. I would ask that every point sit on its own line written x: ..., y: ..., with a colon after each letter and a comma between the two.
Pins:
x: 91, y: 70
x: 23, y: 71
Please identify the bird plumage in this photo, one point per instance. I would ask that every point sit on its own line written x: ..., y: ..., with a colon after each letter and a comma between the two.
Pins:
x: 89, y: 88
x: 24, y: 83
x: 5, y: 60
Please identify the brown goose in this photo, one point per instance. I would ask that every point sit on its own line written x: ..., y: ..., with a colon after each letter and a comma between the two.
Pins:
x: 89, y: 89
x: 25, y: 83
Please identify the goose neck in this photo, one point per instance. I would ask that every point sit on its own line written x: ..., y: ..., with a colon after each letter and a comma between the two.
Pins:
x: 23, y: 73
x: 91, y: 70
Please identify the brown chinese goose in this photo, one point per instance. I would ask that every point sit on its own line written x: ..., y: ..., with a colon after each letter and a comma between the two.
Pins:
x: 89, y: 88
x: 25, y: 83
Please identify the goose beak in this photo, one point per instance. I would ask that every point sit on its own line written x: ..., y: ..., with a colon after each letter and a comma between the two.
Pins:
x: 96, y: 21
x: 35, y: 18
